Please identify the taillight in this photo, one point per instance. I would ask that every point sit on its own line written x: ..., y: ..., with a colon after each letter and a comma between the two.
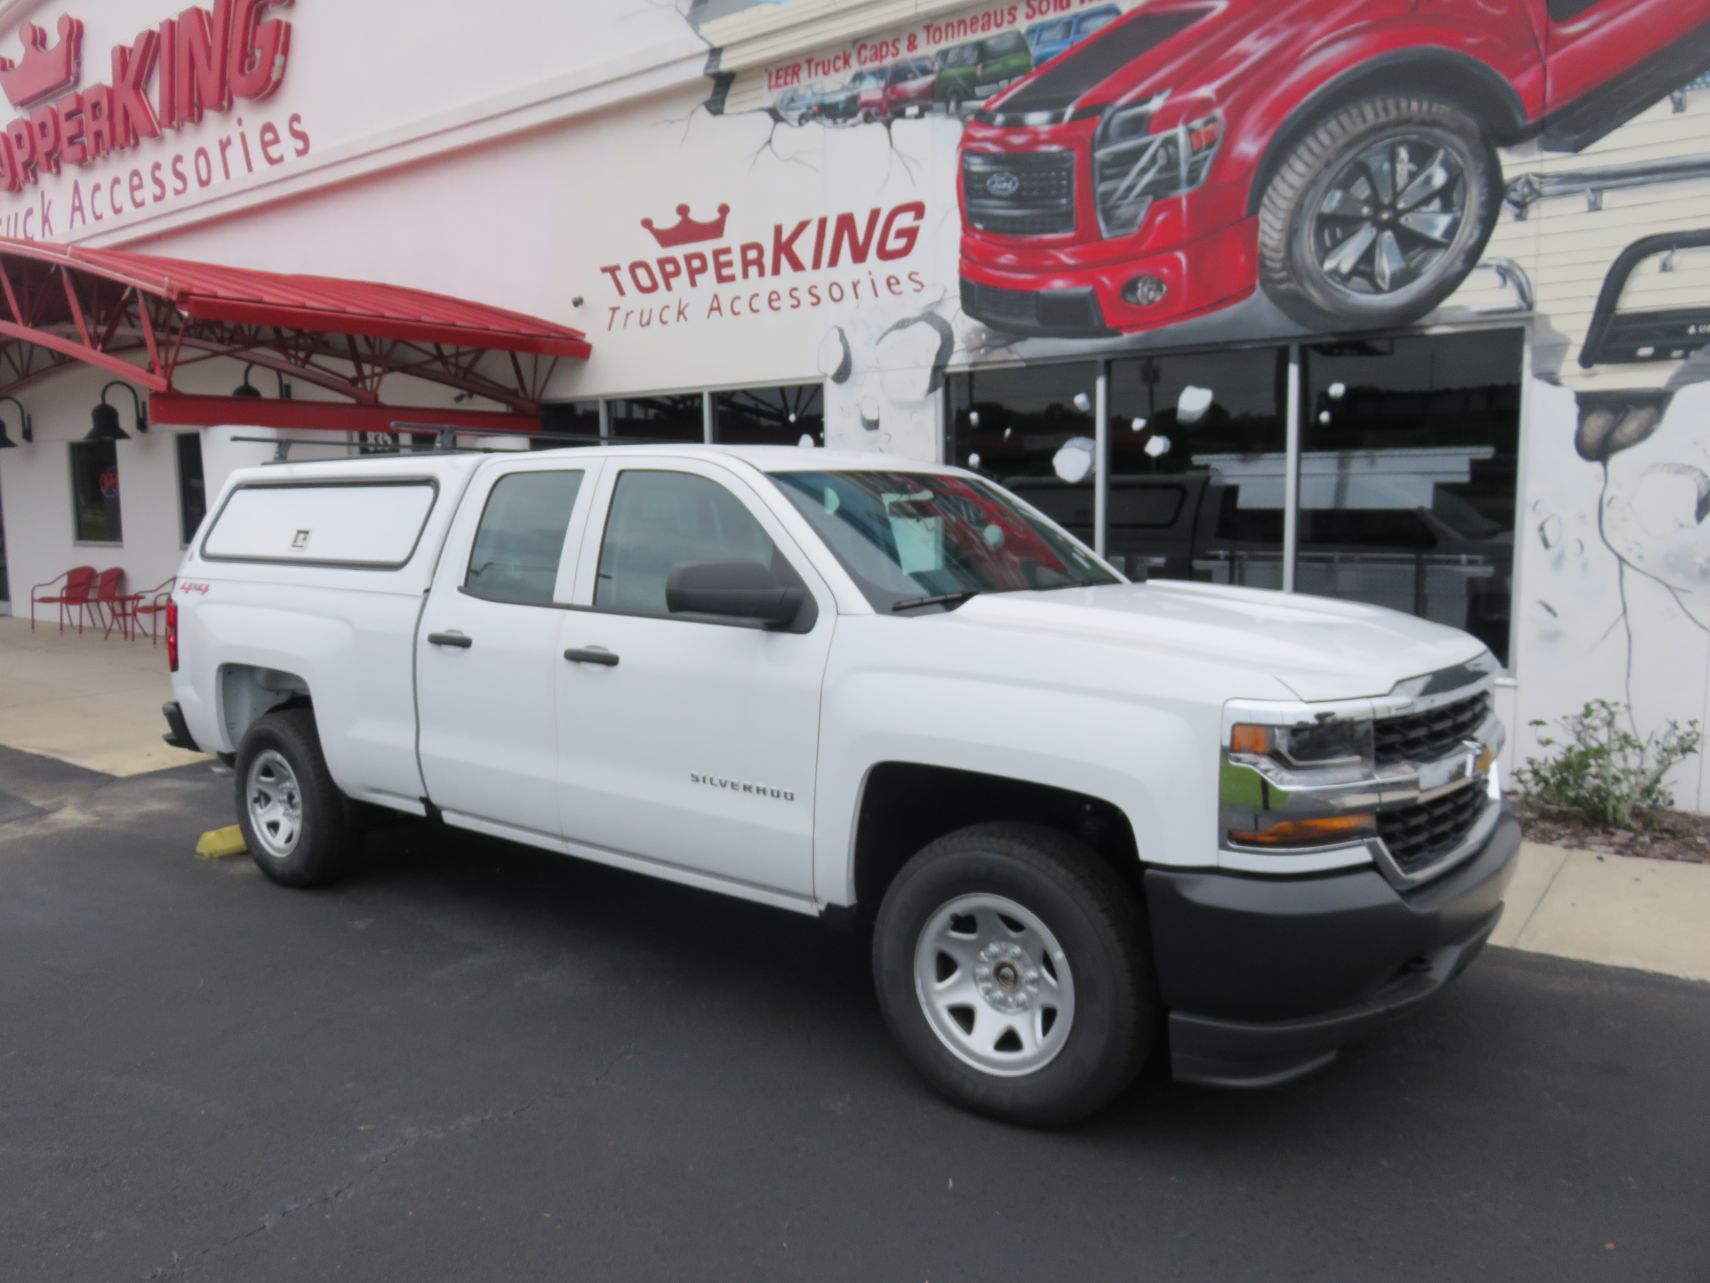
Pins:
x: 172, y: 635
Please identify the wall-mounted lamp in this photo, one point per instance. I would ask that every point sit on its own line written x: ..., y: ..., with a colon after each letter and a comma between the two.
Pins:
x: 25, y: 430
x: 105, y: 418
x: 246, y: 388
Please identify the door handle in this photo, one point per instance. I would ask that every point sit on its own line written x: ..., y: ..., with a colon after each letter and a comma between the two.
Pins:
x: 453, y: 638
x: 591, y: 655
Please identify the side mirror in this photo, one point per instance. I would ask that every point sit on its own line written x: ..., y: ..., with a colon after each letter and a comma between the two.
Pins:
x: 734, y: 590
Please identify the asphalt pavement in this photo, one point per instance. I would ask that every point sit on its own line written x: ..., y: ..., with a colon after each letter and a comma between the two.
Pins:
x: 474, y: 1061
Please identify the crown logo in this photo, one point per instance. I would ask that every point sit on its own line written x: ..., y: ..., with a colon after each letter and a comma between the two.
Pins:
x: 688, y: 231
x: 43, y: 72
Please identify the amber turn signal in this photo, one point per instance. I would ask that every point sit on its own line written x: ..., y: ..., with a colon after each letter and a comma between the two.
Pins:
x: 1327, y: 828
x: 1245, y: 737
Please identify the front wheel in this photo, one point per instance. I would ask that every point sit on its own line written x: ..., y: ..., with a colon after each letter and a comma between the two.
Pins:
x: 1378, y: 213
x: 1012, y: 968
x: 297, y: 824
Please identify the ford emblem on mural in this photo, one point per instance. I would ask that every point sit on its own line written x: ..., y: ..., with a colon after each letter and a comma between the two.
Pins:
x: 1003, y: 182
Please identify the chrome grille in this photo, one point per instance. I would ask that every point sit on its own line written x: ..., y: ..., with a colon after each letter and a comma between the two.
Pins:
x: 1427, y: 736
x: 1020, y: 193
x: 1419, y: 835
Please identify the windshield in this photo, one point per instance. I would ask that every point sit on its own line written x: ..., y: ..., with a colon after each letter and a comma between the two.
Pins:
x: 905, y: 535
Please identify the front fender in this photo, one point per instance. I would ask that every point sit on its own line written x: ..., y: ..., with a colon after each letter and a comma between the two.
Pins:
x: 1152, y: 757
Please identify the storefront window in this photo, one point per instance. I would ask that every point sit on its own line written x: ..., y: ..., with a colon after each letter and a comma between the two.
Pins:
x: 1031, y: 431
x: 769, y: 416
x: 192, y: 488
x: 95, y: 491
x: 579, y: 419
x: 1198, y: 444
x: 659, y: 418
x: 1409, y: 459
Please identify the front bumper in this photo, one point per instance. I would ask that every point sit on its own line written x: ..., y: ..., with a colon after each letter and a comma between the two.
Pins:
x: 1017, y: 292
x: 1266, y: 978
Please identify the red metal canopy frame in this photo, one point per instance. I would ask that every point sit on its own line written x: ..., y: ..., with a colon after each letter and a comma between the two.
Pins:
x: 145, y: 318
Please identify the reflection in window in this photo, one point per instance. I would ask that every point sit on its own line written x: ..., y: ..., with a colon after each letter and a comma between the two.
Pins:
x: 578, y: 419
x: 902, y: 536
x: 95, y: 492
x: 661, y: 519
x: 1190, y: 436
x: 1409, y: 460
x: 192, y: 487
x: 521, y: 537
x: 659, y: 418
x: 770, y: 416
x: 1030, y: 430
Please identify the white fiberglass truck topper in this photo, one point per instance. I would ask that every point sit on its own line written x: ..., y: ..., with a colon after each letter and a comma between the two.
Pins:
x: 1087, y: 819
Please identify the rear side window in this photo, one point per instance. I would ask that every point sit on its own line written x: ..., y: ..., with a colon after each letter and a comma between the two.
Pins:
x: 1008, y: 42
x: 520, y: 540
x: 659, y: 519
x: 362, y: 525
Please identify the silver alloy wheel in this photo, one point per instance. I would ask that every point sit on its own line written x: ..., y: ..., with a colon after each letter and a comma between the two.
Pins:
x: 275, y: 803
x: 994, y: 985
x: 1390, y: 215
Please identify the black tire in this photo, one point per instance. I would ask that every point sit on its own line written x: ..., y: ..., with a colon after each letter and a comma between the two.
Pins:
x: 1294, y: 239
x: 324, y: 844
x: 1099, y: 925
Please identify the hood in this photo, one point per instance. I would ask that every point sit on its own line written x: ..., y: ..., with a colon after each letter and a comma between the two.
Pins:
x: 1319, y: 648
x: 1132, y: 52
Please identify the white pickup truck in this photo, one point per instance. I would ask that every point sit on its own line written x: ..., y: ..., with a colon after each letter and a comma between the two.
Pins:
x: 1084, y: 818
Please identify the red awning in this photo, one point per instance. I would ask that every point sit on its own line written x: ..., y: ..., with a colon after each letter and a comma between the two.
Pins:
x: 144, y: 318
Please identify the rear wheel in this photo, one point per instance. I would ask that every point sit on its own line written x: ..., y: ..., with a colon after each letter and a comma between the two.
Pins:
x: 298, y: 826
x: 1377, y: 214
x: 1012, y: 967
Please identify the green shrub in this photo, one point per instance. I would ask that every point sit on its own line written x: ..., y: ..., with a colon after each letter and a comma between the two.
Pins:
x: 1603, y: 771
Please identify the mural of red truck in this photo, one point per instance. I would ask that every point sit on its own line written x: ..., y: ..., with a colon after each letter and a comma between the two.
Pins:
x: 1340, y: 155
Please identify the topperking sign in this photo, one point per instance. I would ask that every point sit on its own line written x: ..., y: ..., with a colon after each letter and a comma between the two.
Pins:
x: 203, y: 62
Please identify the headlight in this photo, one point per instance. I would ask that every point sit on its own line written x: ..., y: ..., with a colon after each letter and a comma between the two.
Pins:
x: 1328, y: 742
x: 1277, y: 778
x: 1133, y: 166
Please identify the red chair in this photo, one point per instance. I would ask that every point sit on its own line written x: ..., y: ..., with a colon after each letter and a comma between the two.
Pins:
x: 151, y: 603
x: 110, y: 604
x: 73, y: 586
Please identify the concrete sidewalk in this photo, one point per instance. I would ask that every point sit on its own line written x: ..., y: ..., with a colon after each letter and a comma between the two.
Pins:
x: 1618, y: 910
x: 94, y: 703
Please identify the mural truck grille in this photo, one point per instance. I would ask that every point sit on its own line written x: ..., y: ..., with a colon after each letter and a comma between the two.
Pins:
x: 1020, y: 193
x: 1425, y: 737
x: 1423, y: 833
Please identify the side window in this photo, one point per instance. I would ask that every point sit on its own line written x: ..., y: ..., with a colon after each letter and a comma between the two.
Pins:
x: 659, y: 519
x: 521, y: 537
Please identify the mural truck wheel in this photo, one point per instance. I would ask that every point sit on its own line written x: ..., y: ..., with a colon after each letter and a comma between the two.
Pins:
x: 1378, y: 212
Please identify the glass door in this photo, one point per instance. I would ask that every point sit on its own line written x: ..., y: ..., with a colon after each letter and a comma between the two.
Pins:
x: 5, y: 591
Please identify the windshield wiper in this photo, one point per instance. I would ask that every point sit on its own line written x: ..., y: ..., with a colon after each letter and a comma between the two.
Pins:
x: 936, y: 599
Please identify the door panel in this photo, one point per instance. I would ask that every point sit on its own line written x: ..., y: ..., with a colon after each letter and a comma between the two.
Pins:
x: 697, y: 747
x: 487, y: 651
